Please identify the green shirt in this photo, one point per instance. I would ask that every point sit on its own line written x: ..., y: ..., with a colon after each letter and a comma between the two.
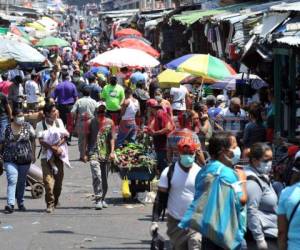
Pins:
x: 113, y: 96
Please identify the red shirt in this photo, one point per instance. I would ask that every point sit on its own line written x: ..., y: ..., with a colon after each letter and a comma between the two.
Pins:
x: 4, y: 87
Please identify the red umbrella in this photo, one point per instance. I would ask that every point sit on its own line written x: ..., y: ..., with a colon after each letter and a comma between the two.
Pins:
x: 136, y: 44
x: 128, y: 32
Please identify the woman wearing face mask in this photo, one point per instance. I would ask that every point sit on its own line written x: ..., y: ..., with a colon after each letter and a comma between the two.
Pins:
x: 221, y: 164
x: 18, y: 152
x: 262, y: 200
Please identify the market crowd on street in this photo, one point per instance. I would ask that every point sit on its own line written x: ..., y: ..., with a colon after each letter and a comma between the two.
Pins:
x: 220, y: 180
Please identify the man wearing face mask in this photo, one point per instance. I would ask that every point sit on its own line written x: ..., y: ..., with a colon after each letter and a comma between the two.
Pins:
x: 262, y: 200
x: 176, y: 190
x: 52, y: 182
x: 113, y: 95
x: 101, y: 150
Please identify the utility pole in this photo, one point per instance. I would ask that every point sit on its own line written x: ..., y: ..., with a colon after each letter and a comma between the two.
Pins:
x: 7, y: 7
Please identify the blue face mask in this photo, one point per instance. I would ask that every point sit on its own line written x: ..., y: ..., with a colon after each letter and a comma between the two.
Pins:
x: 187, y: 160
x: 236, y: 155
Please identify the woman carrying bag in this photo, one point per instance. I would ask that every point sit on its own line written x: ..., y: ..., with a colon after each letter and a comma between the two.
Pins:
x: 18, y: 151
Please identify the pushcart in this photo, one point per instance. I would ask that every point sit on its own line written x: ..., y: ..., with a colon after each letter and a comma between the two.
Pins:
x: 139, y: 177
x: 34, y: 181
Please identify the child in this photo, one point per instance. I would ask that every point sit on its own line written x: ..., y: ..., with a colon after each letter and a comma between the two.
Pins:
x: 53, y: 136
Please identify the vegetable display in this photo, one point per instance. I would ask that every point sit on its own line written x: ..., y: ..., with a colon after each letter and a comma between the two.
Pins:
x: 134, y: 155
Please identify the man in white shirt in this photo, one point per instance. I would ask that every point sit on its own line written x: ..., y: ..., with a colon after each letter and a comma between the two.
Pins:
x: 176, y: 191
x: 179, y: 99
x: 32, y: 92
x: 52, y: 182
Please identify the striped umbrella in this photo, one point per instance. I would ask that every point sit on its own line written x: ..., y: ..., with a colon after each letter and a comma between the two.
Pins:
x: 206, y: 66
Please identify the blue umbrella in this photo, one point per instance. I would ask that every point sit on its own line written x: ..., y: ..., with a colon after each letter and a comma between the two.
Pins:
x: 136, y: 77
x: 101, y: 70
x: 175, y: 63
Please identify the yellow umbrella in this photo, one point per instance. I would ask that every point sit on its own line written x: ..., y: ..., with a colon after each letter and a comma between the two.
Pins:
x: 36, y: 26
x: 171, y: 78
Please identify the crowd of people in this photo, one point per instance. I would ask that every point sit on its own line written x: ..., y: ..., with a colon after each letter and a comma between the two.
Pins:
x: 198, y: 138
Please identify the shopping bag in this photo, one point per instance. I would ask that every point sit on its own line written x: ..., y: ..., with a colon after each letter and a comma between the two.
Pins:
x: 218, y: 214
x: 125, y: 188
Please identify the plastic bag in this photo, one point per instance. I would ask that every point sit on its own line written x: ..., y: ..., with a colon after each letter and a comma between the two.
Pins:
x: 125, y: 188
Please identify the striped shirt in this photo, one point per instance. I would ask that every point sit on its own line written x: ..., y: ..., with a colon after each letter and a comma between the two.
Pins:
x: 231, y: 121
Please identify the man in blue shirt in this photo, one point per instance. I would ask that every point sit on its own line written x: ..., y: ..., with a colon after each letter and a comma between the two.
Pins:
x: 65, y: 95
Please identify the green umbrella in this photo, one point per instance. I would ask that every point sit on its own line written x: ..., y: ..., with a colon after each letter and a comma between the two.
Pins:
x: 52, y: 41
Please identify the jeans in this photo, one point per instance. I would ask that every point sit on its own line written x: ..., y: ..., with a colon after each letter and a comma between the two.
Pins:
x: 16, y: 182
x: 127, y: 132
x: 99, y: 176
x: 3, y: 124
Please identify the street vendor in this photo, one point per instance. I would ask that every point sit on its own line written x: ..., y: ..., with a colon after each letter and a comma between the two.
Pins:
x: 101, y: 150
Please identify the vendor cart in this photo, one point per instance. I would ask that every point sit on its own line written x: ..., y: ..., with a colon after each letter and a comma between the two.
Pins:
x: 135, y: 163
x: 140, y: 178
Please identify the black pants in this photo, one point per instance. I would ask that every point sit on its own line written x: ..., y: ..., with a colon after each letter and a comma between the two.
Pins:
x: 64, y: 111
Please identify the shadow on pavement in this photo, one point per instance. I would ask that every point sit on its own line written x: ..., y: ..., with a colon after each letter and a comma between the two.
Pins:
x: 58, y: 232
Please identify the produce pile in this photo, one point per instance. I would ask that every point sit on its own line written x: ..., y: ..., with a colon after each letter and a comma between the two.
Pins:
x: 134, y: 155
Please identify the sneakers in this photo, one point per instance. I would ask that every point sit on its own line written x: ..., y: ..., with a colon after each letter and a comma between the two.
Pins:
x: 98, y: 205
x: 49, y: 210
x: 22, y: 208
x: 9, y: 209
x: 104, y: 204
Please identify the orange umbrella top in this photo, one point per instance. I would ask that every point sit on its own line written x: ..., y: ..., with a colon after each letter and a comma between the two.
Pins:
x: 136, y: 44
x: 128, y: 32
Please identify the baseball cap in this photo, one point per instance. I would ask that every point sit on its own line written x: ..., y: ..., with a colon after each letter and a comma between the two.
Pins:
x: 187, y: 145
x: 101, y: 103
x: 221, y: 98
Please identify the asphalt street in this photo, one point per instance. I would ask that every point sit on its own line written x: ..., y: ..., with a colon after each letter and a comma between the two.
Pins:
x: 76, y: 224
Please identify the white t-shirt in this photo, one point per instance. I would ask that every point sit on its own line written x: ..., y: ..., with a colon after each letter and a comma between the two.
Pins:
x: 40, y: 132
x: 32, y: 91
x: 131, y: 110
x: 178, y: 95
x: 182, y: 190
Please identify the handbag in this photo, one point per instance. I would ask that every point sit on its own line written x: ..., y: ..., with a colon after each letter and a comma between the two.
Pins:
x: 125, y: 188
x: 23, y: 150
x: 24, y: 154
x: 217, y: 216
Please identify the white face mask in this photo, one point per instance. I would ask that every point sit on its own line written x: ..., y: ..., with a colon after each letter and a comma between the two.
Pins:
x: 265, y: 167
x: 236, y: 155
x: 19, y: 120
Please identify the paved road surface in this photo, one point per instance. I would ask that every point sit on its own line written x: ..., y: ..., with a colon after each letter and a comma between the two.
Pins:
x: 75, y: 225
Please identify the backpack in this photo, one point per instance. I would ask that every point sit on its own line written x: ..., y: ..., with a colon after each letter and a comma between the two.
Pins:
x: 169, y: 176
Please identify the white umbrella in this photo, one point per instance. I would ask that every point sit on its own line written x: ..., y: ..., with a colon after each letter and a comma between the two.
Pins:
x: 229, y: 83
x: 125, y: 57
x: 12, y: 51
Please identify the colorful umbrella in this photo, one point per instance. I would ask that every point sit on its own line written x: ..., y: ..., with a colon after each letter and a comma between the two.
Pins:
x: 206, y: 66
x: 128, y: 32
x: 124, y: 58
x: 52, y: 42
x: 229, y: 83
x: 13, y: 52
x: 171, y: 78
x: 136, y: 44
